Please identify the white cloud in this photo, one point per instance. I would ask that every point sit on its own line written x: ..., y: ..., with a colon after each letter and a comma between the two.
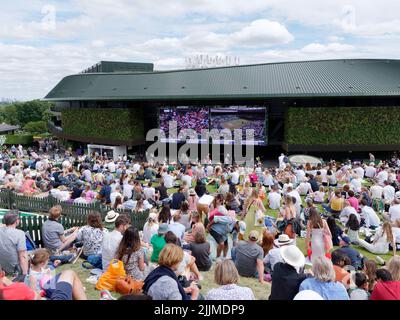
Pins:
x: 327, y: 48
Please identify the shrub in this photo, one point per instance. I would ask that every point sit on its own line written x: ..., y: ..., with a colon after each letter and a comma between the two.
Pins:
x: 24, y: 139
x: 116, y: 123
x: 343, y: 125
x: 36, y: 127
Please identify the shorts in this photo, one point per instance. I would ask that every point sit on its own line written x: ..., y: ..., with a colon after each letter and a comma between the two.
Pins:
x: 219, y: 238
x: 63, y: 291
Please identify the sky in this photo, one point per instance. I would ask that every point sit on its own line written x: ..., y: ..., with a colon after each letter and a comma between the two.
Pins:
x: 43, y: 41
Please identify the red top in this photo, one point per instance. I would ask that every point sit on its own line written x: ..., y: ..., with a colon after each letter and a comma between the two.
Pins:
x: 389, y: 290
x: 17, y: 291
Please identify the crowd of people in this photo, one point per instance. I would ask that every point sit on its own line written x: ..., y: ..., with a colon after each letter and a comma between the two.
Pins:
x: 298, y: 228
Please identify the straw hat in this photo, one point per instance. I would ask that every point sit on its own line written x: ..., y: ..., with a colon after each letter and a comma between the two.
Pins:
x: 282, y: 240
x: 111, y: 216
x: 293, y: 256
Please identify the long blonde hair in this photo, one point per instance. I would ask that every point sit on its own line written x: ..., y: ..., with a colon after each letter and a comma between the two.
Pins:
x: 394, y: 267
x: 387, y: 228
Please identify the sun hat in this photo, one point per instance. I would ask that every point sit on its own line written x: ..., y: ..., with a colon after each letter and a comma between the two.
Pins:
x: 293, y: 256
x: 307, y: 295
x: 398, y: 194
x: 192, y: 192
x: 111, y: 216
x: 163, y: 228
x: 254, y: 235
x: 282, y: 240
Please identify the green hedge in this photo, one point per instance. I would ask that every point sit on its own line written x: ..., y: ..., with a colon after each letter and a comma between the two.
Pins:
x: 24, y: 139
x: 118, y: 124
x: 343, y: 125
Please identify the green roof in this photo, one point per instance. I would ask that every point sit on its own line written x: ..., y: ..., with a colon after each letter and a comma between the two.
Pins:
x: 326, y: 78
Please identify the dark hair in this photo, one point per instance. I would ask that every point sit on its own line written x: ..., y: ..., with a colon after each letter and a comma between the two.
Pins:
x: 350, y: 193
x: 170, y: 237
x: 384, y: 275
x: 122, y: 220
x: 360, y: 279
x: 315, y: 219
x: 332, y: 225
x: 165, y: 215
x: 129, y: 244
x: 353, y: 223
x: 338, y: 256
x: 94, y: 220
x: 364, y: 202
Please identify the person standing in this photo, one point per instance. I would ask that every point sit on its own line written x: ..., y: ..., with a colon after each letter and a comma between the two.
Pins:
x: 319, y: 237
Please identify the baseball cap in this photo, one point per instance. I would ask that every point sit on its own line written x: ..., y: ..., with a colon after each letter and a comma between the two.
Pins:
x: 253, y: 235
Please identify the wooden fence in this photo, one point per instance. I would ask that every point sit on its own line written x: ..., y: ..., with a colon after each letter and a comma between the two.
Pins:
x: 73, y: 214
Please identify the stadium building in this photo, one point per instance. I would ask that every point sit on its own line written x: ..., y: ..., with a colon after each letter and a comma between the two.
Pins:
x: 309, y: 106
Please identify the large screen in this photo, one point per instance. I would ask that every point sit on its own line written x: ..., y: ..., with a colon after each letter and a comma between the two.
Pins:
x: 240, y: 117
x: 215, y: 117
x: 196, y: 118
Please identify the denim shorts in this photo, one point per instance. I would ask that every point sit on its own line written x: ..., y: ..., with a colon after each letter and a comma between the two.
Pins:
x: 63, y: 291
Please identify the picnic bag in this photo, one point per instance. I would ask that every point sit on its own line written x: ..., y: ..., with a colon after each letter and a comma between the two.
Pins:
x: 108, y: 280
x: 128, y: 285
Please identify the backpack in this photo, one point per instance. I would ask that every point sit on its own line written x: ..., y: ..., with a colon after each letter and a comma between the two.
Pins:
x: 30, y: 244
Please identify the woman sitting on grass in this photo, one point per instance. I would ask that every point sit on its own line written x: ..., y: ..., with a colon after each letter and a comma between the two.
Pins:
x: 227, y: 277
x: 131, y: 254
x: 381, y: 240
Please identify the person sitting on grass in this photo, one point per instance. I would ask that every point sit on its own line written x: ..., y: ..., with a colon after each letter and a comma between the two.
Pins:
x: 336, y: 231
x: 381, y: 240
x: 340, y: 260
x: 323, y: 282
x: 288, y: 274
x: 162, y: 283
x: 201, y: 251
x: 385, y: 288
x: 356, y: 258
x: 13, y: 253
x: 227, y: 277
x: 67, y: 286
x: 158, y: 241
x: 361, y: 292
x: 132, y: 254
x: 248, y: 257
x: 335, y: 205
x: 55, y: 238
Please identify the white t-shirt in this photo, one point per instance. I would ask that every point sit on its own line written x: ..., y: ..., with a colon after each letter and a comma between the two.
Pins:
x: 356, y: 183
x: 111, y: 166
x: 394, y: 212
x: 168, y: 181
x: 111, y: 241
x: 300, y: 174
x: 135, y: 167
x: 149, y: 193
x: 114, y: 196
x: 274, y: 200
x: 303, y: 188
x: 235, y: 177
x: 178, y: 229
x: 370, y: 216
x: 127, y: 190
x: 2, y: 174
x: 376, y: 192
x: 388, y: 193
x: 149, y: 231
x: 382, y: 176
x: 319, y: 196
x: 324, y: 175
x: 370, y: 172
x: 360, y: 172
x: 188, y: 180
x: 88, y: 175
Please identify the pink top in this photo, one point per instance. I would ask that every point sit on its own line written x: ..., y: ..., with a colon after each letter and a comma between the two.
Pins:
x: 192, y: 200
x: 27, y: 186
x: 354, y: 203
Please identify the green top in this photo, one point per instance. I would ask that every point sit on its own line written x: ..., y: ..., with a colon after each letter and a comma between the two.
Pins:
x: 158, y: 243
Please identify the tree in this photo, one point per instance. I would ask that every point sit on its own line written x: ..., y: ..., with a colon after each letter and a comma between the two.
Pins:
x: 20, y: 113
x: 36, y: 127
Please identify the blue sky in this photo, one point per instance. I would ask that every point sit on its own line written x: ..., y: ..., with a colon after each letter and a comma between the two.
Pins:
x: 43, y: 41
